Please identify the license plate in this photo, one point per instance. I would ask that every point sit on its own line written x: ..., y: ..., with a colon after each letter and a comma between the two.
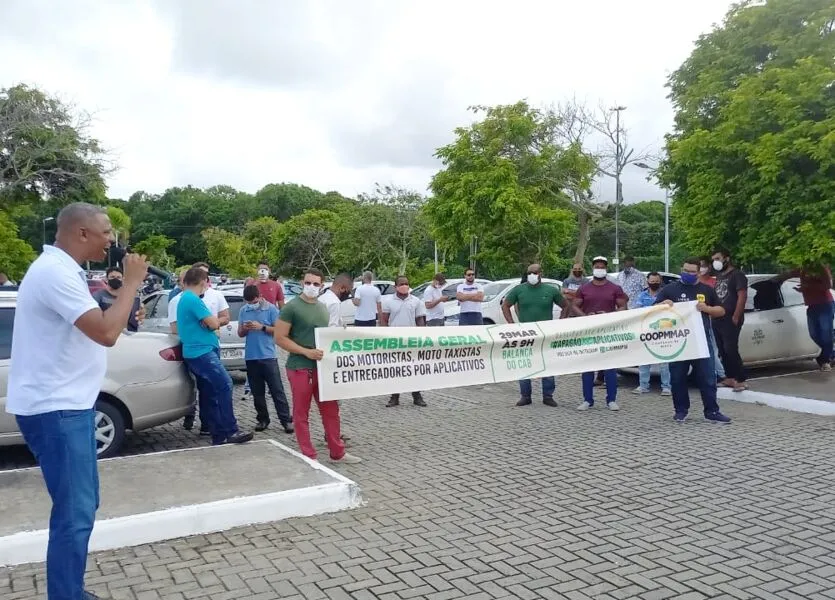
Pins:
x: 231, y: 353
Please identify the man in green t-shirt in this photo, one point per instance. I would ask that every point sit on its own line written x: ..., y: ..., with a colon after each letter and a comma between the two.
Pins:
x: 534, y: 301
x: 295, y: 332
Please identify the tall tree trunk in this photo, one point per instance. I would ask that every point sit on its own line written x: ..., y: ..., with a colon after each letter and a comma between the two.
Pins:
x: 584, y: 226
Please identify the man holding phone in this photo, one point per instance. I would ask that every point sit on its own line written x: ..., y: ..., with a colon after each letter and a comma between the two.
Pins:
x: 256, y: 323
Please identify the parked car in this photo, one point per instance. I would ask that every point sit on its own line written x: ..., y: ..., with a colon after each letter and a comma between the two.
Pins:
x: 146, y: 385
x: 495, y: 293
x: 451, y: 309
x: 231, y: 346
x: 348, y: 310
x: 775, y: 328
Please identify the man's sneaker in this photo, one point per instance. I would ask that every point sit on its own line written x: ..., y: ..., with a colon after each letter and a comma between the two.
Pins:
x: 262, y: 425
x: 344, y: 437
x: 826, y: 367
x: 288, y: 427
x: 613, y: 406
x: 524, y: 401
x: 680, y: 417
x: 188, y: 422
x: 549, y: 401
x: 667, y: 392
x: 347, y: 459
x: 393, y: 402
x: 584, y: 406
x: 419, y: 401
x: 240, y: 438
x: 205, y: 433
x: 639, y: 390
x: 717, y: 417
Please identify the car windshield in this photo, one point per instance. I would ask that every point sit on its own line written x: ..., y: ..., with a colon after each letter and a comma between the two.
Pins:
x: 491, y: 290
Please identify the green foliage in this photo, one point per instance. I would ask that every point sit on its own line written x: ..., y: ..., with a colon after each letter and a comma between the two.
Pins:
x: 45, y: 152
x: 155, y: 247
x: 15, y: 254
x: 753, y: 153
x: 229, y: 252
x: 120, y: 221
x: 505, y: 180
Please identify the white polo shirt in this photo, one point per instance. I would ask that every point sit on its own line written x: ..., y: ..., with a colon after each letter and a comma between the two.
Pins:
x: 54, y: 366
x: 469, y: 306
x: 214, y: 300
x: 334, y: 306
x: 430, y: 294
x: 403, y: 312
x: 369, y: 295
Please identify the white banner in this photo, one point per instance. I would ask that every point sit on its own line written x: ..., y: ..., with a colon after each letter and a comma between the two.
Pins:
x: 375, y: 361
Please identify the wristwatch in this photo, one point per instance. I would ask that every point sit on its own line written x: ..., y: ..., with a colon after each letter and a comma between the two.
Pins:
x: 263, y: 328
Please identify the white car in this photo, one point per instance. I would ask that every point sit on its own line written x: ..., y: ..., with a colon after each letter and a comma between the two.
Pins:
x: 451, y: 308
x: 494, y: 294
x: 146, y: 384
x: 231, y: 346
x: 775, y: 328
x: 348, y: 310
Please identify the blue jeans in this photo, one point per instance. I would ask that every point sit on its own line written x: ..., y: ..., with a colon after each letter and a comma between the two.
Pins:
x: 215, y: 387
x: 64, y: 443
x: 705, y: 375
x: 610, y: 376
x: 644, y: 372
x: 819, y: 319
x: 714, y: 354
x: 470, y: 318
x: 549, y: 384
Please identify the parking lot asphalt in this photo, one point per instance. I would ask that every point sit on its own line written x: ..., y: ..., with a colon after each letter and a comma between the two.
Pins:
x: 474, y: 498
x: 801, y: 380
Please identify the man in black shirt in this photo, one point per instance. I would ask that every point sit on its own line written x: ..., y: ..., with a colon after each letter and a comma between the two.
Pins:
x: 732, y: 291
x: 688, y: 290
x: 108, y: 294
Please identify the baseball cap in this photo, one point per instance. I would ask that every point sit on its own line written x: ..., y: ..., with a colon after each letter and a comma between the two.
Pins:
x: 600, y: 259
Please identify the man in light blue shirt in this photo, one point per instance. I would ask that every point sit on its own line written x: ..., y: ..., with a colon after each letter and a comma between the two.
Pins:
x: 644, y: 299
x: 256, y: 321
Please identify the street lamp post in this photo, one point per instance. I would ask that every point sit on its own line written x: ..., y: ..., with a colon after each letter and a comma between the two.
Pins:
x: 45, y: 221
x: 618, y: 188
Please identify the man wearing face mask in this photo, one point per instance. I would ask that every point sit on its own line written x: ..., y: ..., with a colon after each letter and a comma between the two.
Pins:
x: 732, y: 291
x: 106, y: 296
x: 631, y: 281
x: 271, y: 291
x: 688, y: 290
x: 600, y: 296
x: 706, y: 277
x: 339, y: 291
x: 647, y: 298
x: 433, y: 299
x: 403, y: 310
x: 572, y: 283
x: 535, y: 302
x: 470, y: 296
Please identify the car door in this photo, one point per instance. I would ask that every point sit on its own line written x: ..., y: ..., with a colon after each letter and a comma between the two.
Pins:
x: 767, y: 325
x: 156, y: 313
x: 8, y: 426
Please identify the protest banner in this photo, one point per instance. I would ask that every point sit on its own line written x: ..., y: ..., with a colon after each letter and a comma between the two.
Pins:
x: 372, y: 361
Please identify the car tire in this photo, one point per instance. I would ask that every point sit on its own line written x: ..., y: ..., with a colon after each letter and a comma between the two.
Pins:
x: 110, y: 429
x: 488, y: 322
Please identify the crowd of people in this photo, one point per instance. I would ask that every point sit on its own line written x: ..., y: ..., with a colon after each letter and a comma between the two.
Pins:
x: 65, y: 330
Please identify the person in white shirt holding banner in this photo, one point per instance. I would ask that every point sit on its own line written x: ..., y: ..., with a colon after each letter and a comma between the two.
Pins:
x: 433, y: 300
x: 470, y: 296
x: 367, y: 299
x: 403, y: 310
x: 216, y: 302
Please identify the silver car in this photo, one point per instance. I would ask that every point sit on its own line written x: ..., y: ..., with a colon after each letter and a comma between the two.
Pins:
x: 231, y: 346
x: 146, y: 385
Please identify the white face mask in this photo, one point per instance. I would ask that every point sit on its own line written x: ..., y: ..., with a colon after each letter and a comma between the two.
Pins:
x: 263, y: 274
x: 718, y: 265
x: 533, y: 278
x: 311, y: 291
x: 599, y: 273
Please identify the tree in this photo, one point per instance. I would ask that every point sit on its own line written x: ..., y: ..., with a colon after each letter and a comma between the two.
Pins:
x: 229, y: 252
x: 504, y: 180
x: 120, y: 221
x: 260, y: 235
x: 305, y: 241
x: 46, y: 151
x: 752, y: 155
x: 15, y: 254
x: 155, y: 247
x: 400, y: 224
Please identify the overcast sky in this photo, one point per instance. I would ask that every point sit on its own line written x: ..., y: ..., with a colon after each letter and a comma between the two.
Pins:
x: 337, y: 94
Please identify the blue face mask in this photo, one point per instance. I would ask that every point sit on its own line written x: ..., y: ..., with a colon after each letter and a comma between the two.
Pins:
x: 689, y: 278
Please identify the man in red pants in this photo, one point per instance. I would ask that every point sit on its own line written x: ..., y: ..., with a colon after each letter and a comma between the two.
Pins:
x: 295, y: 333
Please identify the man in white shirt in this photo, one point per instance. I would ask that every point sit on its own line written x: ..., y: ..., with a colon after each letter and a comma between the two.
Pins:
x: 433, y: 300
x: 367, y: 299
x: 333, y: 298
x: 470, y: 295
x: 403, y: 310
x: 58, y: 364
x: 216, y: 302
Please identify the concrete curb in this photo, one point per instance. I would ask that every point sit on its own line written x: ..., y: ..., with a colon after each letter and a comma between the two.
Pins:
x: 791, y: 403
x: 182, y: 521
